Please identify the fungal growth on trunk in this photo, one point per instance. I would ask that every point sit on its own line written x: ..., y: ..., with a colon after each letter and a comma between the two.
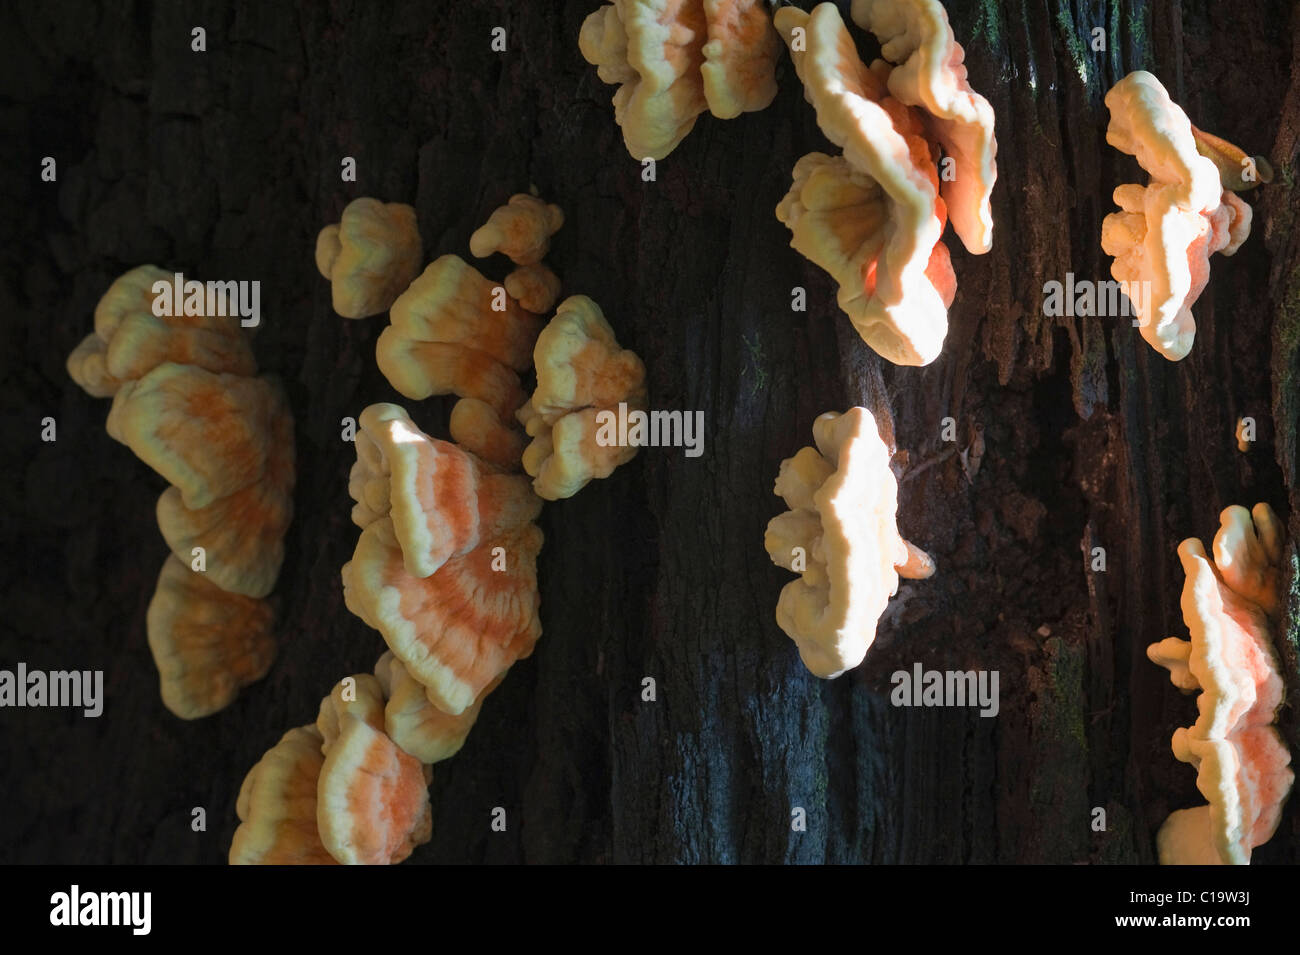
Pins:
x: 674, y: 59
x: 873, y: 218
x: 583, y: 376
x: 186, y: 401
x: 1165, y: 232
x: 372, y: 798
x: 207, y: 644
x: 841, y: 536
x: 521, y: 230
x: 445, y: 568
x: 277, y: 805
x: 129, y: 340
x: 369, y: 256
x: 414, y: 722
x: 1231, y: 606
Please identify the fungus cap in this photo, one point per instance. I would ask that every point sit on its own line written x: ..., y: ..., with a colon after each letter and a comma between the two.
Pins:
x: 931, y: 74
x: 582, y: 375
x: 242, y: 534
x: 372, y: 799
x: 459, y: 629
x: 438, y: 500
x: 414, y: 723
x: 521, y: 230
x: 206, y: 643
x: 208, y: 434
x: 843, y: 498
x: 369, y: 256
x: 277, y: 805
x: 904, y: 312
x: 739, y: 68
x: 654, y: 50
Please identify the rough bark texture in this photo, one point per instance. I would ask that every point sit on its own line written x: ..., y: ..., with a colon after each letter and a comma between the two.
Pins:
x: 226, y: 163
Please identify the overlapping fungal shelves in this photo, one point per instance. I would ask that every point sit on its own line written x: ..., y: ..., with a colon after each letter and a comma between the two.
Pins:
x: 188, y: 402
x: 673, y: 60
x: 873, y: 217
x: 445, y: 567
x: 1232, y: 605
x: 1165, y: 232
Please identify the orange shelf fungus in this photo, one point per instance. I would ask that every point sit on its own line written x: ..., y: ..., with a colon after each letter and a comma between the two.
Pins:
x: 476, y: 427
x: 206, y: 643
x: 535, y: 287
x: 129, y: 340
x: 841, y: 536
x: 931, y: 74
x: 1231, y: 606
x: 414, y: 723
x: 372, y: 798
x: 1165, y: 232
x: 242, y: 534
x: 277, y: 805
x: 875, y: 218
x: 582, y: 374
x: 739, y: 69
x: 436, y: 500
x: 369, y: 256
x: 186, y: 401
x: 521, y: 230
x: 455, y: 332
x: 459, y: 629
x: 674, y: 59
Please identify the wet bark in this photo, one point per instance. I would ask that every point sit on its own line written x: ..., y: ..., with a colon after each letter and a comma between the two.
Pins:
x: 226, y: 163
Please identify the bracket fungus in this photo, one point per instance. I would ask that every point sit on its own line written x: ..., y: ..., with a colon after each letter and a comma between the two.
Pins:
x: 931, y: 74
x: 674, y: 59
x: 459, y: 629
x: 206, y: 643
x: 874, y: 219
x: 446, y: 337
x: 412, y: 720
x: 521, y: 230
x: 129, y: 340
x: 1165, y: 232
x: 185, y: 400
x: 445, y: 567
x: 439, y: 501
x: 582, y: 373
x: 841, y: 536
x: 372, y: 798
x: 277, y: 805
x: 369, y: 256
x: 535, y: 287
x: 1231, y: 606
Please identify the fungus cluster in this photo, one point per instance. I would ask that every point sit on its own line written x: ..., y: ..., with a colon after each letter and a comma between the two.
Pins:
x: 340, y: 790
x: 674, y: 59
x: 1165, y: 232
x: 581, y: 373
x: 874, y: 216
x: 445, y: 567
x: 1231, y: 605
x: 841, y: 536
x: 369, y: 256
x: 187, y: 402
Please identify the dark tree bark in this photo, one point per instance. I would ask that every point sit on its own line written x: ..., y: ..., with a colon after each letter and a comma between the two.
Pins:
x: 226, y: 164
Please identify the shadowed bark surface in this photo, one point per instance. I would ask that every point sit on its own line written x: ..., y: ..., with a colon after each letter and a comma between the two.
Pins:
x: 225, y: 164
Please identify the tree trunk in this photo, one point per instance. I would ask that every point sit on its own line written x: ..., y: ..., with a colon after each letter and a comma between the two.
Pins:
x: 226, y: 163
